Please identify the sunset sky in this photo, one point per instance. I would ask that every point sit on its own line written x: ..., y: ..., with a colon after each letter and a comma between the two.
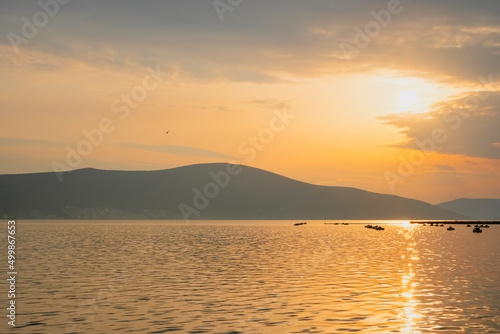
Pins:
x: 398, y: 97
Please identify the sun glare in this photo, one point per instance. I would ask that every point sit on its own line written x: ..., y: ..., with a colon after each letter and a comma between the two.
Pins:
x: 407, y: 98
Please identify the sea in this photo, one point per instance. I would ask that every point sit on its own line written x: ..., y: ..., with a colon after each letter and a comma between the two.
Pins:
x: 252, y: 277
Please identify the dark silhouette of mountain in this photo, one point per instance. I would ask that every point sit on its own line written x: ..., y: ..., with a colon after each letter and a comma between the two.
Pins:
x: 204, y: 191
x: 478, y: 208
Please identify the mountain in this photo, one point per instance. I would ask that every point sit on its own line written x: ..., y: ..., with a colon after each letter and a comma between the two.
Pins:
x: 204, y: 191
x: 478, y: 208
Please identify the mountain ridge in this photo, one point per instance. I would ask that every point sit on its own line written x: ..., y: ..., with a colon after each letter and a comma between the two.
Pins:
x: 478, y: 208
x: 201, y: 191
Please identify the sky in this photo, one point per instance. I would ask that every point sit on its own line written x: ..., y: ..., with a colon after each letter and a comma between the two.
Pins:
x: 399, y: 96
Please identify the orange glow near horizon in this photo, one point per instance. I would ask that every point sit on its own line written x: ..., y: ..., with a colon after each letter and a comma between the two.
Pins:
x: 336, y: 136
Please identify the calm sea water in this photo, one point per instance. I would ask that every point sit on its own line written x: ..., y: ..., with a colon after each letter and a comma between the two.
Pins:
x: 253, y: 277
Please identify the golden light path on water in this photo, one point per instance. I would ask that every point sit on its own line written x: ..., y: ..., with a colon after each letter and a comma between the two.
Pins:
x: 409, y: 312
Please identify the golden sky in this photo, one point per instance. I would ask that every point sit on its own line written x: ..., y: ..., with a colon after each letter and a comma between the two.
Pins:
x: 398, y: 97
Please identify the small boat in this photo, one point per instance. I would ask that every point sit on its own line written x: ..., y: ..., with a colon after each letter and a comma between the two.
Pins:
x: 486, y: 226
x: 442, y: 225
x: 468, y: 225
x: 298, y: 224
x: 376, y: 227
x: 476, y: 230
x: 451, y: 228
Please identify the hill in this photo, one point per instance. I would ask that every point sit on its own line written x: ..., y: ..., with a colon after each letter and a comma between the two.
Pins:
x: 478, y: 208
x: 204, y: 191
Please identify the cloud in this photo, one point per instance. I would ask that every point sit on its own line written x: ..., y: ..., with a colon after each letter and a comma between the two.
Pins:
x: 28, y: 142
x: 216, y: 108
x: 466, y: 125
x: 272, y: 104
x: 445, y: 167
x: 178, y: 150
x: 269, y: 41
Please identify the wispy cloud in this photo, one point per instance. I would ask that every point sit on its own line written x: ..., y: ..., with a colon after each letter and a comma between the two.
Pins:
x: 215, y: 108
x: 272, y: 104
x: 178, y: 150
x: 29, y: 142
x: 446, y: 167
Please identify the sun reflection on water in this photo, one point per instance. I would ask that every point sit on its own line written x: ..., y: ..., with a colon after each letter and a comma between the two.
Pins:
x: 409, y: 312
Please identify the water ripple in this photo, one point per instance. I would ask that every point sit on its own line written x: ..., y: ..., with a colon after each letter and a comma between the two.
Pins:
x: 158, y: 277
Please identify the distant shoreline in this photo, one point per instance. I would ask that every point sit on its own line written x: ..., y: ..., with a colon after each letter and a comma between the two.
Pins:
x: 490, y: 222
x: 284, y: 221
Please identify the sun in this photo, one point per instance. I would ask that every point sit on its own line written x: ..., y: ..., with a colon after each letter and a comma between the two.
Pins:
x: 407, y: 98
